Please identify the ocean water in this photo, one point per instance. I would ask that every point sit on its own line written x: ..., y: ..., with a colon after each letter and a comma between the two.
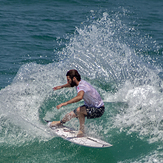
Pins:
x: 117, y: 46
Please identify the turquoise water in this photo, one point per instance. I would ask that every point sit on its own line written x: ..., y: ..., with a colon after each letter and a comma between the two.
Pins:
x: 115, y: 45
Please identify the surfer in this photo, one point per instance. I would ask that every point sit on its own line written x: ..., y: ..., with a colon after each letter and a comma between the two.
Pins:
x: 93, y: 105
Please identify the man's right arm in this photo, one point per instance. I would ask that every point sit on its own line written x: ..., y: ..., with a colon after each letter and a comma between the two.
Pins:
x: 62, y: 86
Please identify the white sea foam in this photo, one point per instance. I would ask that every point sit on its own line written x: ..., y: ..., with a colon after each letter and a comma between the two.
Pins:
x: 21, y: 101
x: 144, y: 114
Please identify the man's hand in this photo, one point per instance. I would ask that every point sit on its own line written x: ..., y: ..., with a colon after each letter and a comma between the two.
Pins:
x: 60, y: 105
x: 56, y: 88
x: 73, y: 100
x: 62, y: 86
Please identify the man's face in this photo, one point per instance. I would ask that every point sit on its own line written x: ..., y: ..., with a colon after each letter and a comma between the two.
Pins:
x: 70, y: 81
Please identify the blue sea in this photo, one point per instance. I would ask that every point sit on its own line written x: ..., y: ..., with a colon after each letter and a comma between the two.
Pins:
x: 116, y: 45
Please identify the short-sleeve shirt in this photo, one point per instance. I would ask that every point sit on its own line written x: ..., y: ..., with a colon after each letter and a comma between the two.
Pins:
x: 91, y: 97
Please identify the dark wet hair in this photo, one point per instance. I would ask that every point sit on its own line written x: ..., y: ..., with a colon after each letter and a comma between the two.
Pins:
x: 74, y: 73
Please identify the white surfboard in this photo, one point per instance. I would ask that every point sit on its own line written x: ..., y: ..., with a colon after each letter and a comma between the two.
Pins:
x: 71, y: 135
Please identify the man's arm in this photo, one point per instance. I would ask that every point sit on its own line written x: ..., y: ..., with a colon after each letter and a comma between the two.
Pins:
x: 62, y: 86
x: 73, y: 100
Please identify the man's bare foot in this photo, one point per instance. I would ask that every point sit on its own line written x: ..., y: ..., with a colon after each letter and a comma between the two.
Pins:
x: 55, y: 123
x: 80, y: 134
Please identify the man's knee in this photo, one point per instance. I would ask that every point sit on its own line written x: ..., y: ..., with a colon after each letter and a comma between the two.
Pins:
x: 83, y: 110
x: 78, y: 110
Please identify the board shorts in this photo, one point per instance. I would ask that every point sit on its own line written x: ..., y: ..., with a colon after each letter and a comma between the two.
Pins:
x: 93, y: 112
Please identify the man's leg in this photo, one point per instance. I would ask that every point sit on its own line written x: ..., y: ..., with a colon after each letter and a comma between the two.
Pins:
x: 66, y: 118
x: 81, y: 113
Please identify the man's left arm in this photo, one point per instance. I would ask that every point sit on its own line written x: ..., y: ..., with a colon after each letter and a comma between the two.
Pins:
x: 73, y: 100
